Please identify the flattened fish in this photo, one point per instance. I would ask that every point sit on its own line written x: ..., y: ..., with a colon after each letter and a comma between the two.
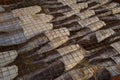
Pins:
x: 7, y: 57
x: 8, y: 73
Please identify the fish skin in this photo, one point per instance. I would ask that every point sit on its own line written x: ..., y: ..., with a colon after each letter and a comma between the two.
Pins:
x: 23, y: 29
x: 9, y: 72
x: 33, y: 44
x: 110, y: 37
x: 18, y: 12
x: 19, y: 36
x: 50, y: 6
x: 7, y: 57
x: 61, y: 52
x: 51, y: 45
x: 45, y: 73
x: 6, y: 16
x: 50, y: 2
x: 10, y: 25
x: 78, y: 74
x: 81, y: 22
x: 81, y: 14
x: 110, y: 73
x: 13, y: 38
x: 62, y: 9
x: 105, y: 53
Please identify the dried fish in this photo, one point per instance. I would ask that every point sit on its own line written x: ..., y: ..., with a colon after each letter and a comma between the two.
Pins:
x: 7, y: 2
x: 5, y: 16
x: 77, y: 17
x: 94, y: 27
x: 82, y: 23
x: 12, y: 38
x: 68, y: 11
x: 78, y: 74
x: 51, y: 45
x: 22, y: 36
x: 27, y: 23
x: 10, y: 25
x: 30, y: 30
x: 67, y: 2
x: 83, y: 15
x: 61, y: 52
x: 57, y: 33
x: 72, y: 59
x: 101, y: 37
x: 115, y: 17
x: 20, y: 12
x: 108, y: 6
x: 26, y: 11
x: 101, y: 62
x: 63, y: 65
x: 105, y: 62
x: 41, y: 18
x: 49, y: 2
x: 108, y: 18
x: 8, y: 73
x: 113, y: 11
x: 81, y: 44
x: 102, y: 53
x: 51, y: 6
x: 87, y: 29
x: 105, y: 53
x: 110, y: 61
x: 57, y: 4
x: 7, y: 57
x: 50, y: 72
x: 111, y: 73
x: 116, y: 59
x: 44, y: 38
x: 75, y: 10
x: 33, y: 44
x: 100, y: 3
x: 36, y: 28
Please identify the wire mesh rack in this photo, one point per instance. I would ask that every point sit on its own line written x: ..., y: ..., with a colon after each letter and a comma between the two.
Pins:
x: 59, y: 40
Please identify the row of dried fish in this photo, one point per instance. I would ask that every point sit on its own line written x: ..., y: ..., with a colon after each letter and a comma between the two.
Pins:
x: 64, y: 78
x: 82, y: 22
x: 12, y: 33
x: 11, y: 71
x: 69, y: 60
x: 23, y: 39
x: 55, y: 45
